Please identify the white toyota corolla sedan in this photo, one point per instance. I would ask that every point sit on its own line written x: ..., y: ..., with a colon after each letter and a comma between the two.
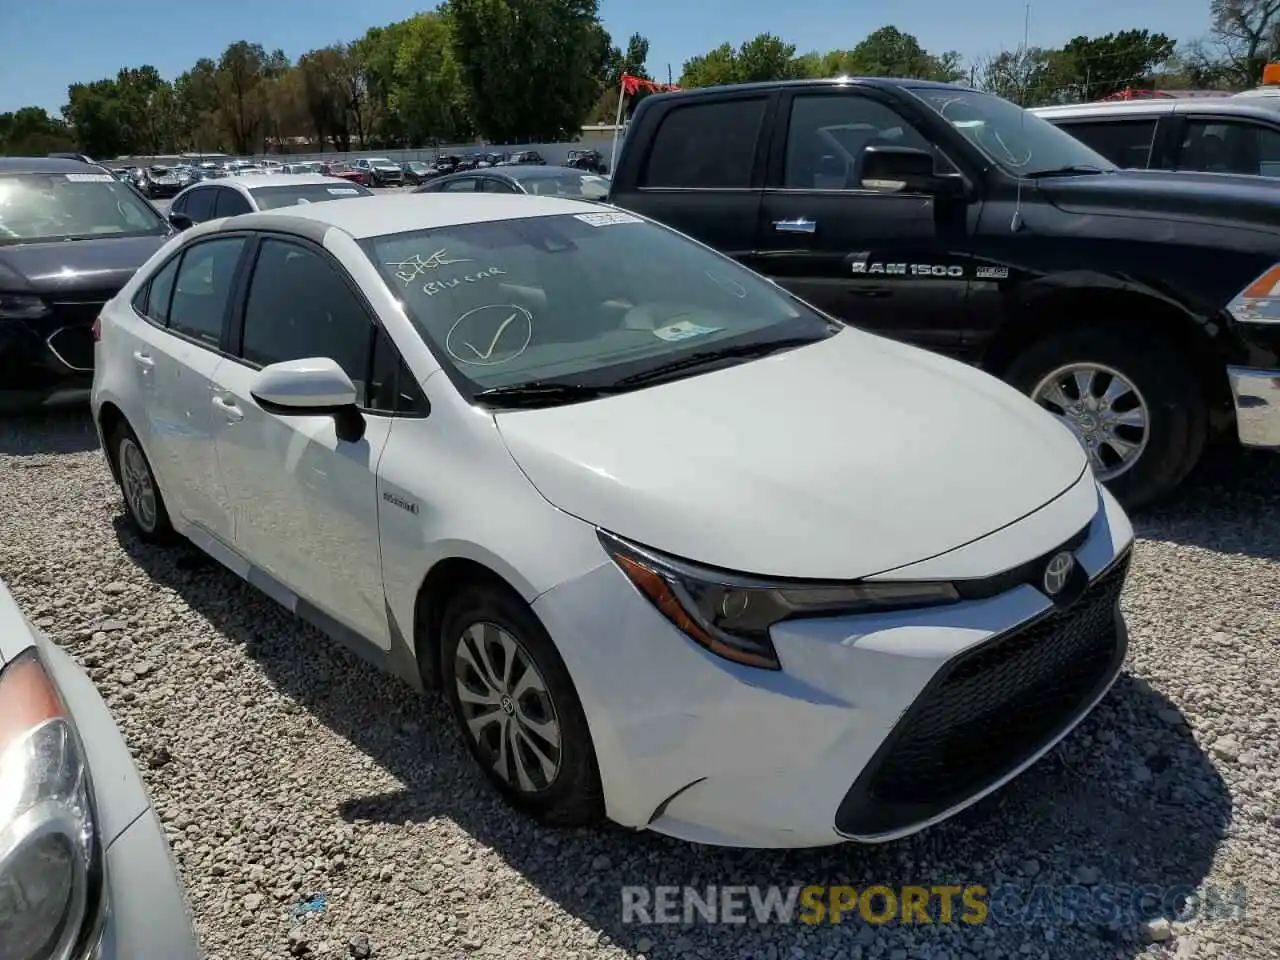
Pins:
x: 680, y: 551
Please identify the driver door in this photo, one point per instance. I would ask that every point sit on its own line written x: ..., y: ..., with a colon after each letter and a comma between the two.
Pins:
x: 892, y: 263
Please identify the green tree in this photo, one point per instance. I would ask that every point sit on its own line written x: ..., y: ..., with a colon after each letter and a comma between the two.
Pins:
x: 30, y: 131
x: 379, y: 51
x: 427, y: 95
x: 324, y: 93
x: 888, y: 52
x: 1028, y: 76
x: 1247, y: 35
x: 1096, y: 67
x: 196, y: 92
x: 711, y: 69
x: 94, y: 113
x: 532, y: 68
x: 242, y: 72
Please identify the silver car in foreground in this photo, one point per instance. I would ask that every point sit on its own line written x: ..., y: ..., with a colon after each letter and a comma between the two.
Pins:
x: 85, y: 870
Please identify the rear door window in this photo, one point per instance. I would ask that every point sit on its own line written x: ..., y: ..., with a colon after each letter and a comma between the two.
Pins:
x: 200, y: 204
x: 710, y: 145
x: 231, y: 203
x: 203, y: 288
x: 1234, y: 146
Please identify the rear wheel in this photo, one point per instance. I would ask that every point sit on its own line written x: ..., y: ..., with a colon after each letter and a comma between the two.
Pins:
x: 1131, y: 399
x: 142, y: 499
x: 517, y: 708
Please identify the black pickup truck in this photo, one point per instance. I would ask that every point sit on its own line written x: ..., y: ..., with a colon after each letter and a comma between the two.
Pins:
x: 1140, y: 307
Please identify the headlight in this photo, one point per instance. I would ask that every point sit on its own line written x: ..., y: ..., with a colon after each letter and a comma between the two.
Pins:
x: 20, y: 307
x: 730, y: 615
x: 48, y: 843
x: 1260, y: 301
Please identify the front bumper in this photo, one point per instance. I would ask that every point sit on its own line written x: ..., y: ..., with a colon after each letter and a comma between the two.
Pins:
x: 872, y: 730
x: 50, y: 360
x: 1256, y: 394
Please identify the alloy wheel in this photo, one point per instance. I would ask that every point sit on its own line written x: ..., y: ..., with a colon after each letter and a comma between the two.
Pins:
x: 1105, y: 411
x: 507, y: 708
x: 136, y: 482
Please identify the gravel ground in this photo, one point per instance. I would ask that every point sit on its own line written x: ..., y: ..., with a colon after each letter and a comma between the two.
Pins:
x: 283, y: 768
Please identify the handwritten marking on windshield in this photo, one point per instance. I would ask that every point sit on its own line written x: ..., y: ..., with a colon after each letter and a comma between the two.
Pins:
x: 432, y: 287
x: 494, y: 342
x: 507, y: 316
x: 411, y: 269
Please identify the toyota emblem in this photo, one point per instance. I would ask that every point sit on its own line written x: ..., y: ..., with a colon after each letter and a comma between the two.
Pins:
x: 1057, y: 571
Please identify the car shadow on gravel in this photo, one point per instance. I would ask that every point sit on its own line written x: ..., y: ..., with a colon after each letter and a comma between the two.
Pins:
x: 1119, y: 824
x: 61, y: 430
x: 1230, y: 504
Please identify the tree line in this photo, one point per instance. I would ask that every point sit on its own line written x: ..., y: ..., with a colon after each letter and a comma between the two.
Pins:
x: 512, y: 71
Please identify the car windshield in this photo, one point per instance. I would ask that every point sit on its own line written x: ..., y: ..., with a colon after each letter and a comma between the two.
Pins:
x: 584, y: 186
x: 1019, y: 142
x: 72, y: 206
x: 269, y: 198
x: 583, y: 299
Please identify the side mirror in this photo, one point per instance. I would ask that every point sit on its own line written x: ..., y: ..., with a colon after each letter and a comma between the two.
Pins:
x: 181, y: 221
x: 906, y: 169
x: 315, y: 386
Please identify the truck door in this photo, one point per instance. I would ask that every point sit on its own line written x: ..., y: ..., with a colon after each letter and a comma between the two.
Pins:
x: 896, y: 263
x: 704, y: 170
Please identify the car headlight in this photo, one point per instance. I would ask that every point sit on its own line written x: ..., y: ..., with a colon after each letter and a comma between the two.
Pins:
x: 48, y: 841
x: 730, y: 615
x: 16, y: 306
x: 1259, y: 302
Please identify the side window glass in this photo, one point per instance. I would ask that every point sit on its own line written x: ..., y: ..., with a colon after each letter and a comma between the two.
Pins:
x: 299, y: 306
x: 1268, y: 152
x: 1126, y: 143
x: 828, y: 136
x: 496, y: 186
x: 706, y: 145
x: 392, y: 387
x: 230, y: 204
x: 153, y: 300
x: 200, y: 204
x: 460, y: 186
x: 203, y: 287
x: 179, y: 205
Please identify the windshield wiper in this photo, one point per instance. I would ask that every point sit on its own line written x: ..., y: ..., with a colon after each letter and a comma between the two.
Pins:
x: 705, y: 357
x: 541, y: 393
x: 1064, y: 171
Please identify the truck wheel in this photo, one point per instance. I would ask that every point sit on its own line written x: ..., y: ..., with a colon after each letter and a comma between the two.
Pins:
x: 1131, y: 399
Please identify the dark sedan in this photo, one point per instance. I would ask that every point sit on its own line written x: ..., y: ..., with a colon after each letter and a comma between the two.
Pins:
x: 70, y: 236
x: 538, y: 180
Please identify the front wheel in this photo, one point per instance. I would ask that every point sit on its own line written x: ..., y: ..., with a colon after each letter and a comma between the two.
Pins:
x: 517, y: 708
x: 1132, y: 400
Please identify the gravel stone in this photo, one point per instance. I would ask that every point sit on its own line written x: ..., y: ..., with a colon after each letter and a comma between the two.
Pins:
x: 282, y: 767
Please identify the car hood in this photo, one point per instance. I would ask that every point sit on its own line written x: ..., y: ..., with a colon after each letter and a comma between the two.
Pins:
x: 1221, y: 197
x: 101, y: 263
x: 838, y: 460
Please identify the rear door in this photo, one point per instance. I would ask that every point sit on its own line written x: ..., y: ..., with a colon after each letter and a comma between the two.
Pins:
x: 230, y: 203
x: 897, y: 263
x: 704, y: 170
x: 180, y: 351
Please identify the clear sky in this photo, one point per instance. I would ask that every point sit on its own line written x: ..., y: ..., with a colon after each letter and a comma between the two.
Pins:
x: 47, y: 44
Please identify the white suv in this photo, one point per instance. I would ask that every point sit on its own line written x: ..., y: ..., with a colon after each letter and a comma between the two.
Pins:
x: 679, y: 549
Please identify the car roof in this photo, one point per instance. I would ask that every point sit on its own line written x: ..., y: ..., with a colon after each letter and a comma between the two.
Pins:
x: 257, y: 182
x: 526, y: 173
x: 885, y: 83
x: 405, y: 213
x: 1215, y: 106
x: 44, y: 165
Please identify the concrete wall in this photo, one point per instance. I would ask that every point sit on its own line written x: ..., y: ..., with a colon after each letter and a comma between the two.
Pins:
x: 554, y: 152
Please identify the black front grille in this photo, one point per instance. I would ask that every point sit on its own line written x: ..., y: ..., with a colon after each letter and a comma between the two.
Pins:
x: 988, y: 711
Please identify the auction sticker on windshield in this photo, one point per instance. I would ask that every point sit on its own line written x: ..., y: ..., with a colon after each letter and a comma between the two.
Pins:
x: 606, y: 219
x: 90, y: 178
x: 683, y: 330
x: 343, y: 191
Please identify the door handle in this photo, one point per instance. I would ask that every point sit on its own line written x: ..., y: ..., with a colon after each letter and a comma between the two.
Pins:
x: 229, y: 410
x: 795, y: 225
x: 143, y: 359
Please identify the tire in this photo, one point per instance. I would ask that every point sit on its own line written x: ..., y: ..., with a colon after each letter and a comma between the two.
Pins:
x: 135, y: 475
x: 495, y: 619
x: 1165, y: 384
